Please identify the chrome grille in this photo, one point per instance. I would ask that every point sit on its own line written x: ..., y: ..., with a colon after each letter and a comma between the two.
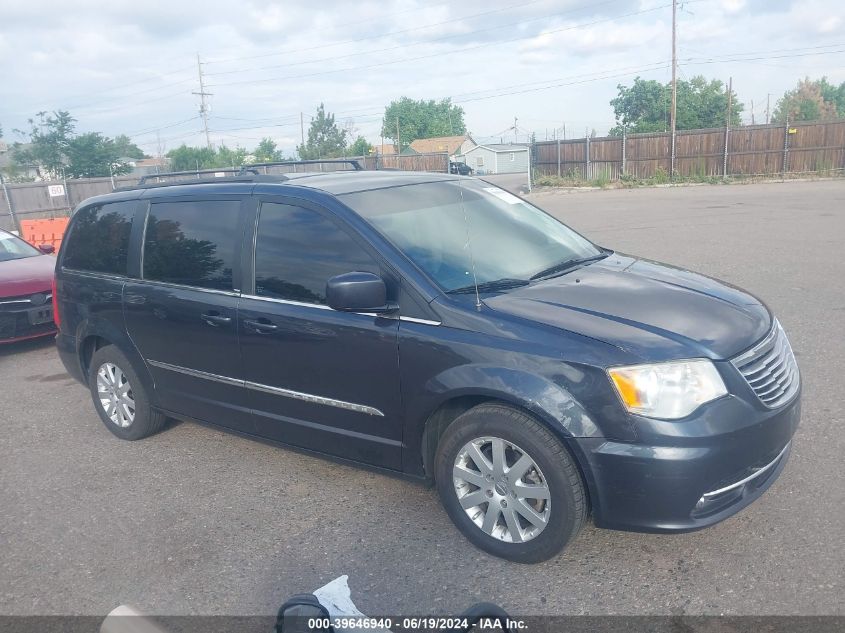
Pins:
x: 770, y: 369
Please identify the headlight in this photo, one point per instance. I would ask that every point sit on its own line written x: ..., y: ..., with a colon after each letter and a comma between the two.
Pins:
x: 667, y: 390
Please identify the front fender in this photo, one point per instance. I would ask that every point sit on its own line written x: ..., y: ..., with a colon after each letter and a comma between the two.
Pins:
x: 462, y: 386
x: 544, y: 398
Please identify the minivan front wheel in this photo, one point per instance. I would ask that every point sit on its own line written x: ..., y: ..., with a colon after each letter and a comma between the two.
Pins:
x: 508, y: 484
x: 119, y: 396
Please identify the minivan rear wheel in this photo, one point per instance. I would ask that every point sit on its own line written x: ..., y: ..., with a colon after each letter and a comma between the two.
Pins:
x: 508, y: 484
x: 119, y: 397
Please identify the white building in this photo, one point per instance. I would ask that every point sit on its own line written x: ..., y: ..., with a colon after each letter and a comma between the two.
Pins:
x: 497, y: 158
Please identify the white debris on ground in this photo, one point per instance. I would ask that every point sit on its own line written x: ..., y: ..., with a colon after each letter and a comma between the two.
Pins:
x: 337, y: 599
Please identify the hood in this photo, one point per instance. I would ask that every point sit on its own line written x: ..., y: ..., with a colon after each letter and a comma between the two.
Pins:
x: 651, y: 310
x: 27, y: 275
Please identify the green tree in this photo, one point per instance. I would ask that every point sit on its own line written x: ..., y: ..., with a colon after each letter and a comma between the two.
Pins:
x: 831, y: 93
x: 266, y: 151
x: 360, y: 147
x: 185, y: 158
x: 325, y: 138
x: 49, y: 137
x: 230, y: 158
x: 126, y: 148
x: 93, y: 155
x: 811, y: 100
x: 422, y: 119
x: 645, y: 106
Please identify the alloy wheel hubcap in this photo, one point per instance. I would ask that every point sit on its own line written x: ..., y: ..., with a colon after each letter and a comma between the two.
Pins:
x: 502, y: 489
x: 115, y: 394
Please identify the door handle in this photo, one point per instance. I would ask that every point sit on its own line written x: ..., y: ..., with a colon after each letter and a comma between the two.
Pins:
x: 260, y: 326
x: 215, y: 319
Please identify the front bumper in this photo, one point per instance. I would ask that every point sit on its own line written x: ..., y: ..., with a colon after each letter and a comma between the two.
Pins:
x: 690, y: 474
x: 26, y: 322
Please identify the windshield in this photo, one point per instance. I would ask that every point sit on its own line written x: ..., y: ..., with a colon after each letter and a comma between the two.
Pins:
x: 12, y: 247
x: 435, y: 224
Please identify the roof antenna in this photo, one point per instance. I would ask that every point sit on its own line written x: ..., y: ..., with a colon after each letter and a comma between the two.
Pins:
x: 468, y: 246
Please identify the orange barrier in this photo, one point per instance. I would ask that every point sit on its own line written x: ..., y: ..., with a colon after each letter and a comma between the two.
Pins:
x: 47, y: 231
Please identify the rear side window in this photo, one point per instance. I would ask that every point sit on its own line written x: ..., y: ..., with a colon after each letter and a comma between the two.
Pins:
x: 99, y: 238
x: 298, y: 250
x: 192, y: 243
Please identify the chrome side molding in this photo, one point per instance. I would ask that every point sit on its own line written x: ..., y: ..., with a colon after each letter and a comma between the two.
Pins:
x: 276, y: 391
x: 196, y: 373
x: 308, y: 397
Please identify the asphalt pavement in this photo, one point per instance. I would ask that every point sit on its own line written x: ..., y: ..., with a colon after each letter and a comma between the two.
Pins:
x: 197, y: 521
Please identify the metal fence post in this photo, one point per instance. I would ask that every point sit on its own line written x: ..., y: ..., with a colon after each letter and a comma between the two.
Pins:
x: 529, y: 168
x: 672, y: 159
x: 785, y: 146
x: 624, y: 150
x: 587, y: 161
x: 558, y: 157
x: 9, y: 204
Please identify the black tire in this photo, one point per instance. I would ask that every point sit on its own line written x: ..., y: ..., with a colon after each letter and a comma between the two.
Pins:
x: 567, y: 508
x: 145, y: 421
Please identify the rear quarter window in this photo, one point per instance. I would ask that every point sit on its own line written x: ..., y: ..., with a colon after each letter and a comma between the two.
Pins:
x: 99, y: 238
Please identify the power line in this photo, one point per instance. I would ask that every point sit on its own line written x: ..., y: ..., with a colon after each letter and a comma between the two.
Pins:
x: 439, y: 55
x: 158, y: 128
x: 100, y: 91
x: 403, y: 46
x: 382, y: 35
x: 172, y: 138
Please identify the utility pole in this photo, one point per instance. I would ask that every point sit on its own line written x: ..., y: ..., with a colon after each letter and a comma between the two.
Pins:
x: 674, y: 80
x: 398, y: 139
x: 730, y: 101
x: 768, y: 97
x: 727, y: 126
x: 752, y: 112
x: 515, y: 140
x: 302, y: 129
x: 203, y: 105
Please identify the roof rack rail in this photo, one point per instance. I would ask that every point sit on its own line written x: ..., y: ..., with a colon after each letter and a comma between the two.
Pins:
x: 356, y: 166
x: 198, y: 174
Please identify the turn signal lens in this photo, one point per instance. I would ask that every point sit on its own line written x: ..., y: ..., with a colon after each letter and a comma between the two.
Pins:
x: 667, y: 390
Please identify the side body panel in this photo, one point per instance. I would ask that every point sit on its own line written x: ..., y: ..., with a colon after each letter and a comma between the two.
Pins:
x: 318, y: 378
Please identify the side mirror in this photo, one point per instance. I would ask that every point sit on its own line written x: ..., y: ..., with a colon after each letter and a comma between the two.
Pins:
x: 47, y: 249
x: 357, y: 292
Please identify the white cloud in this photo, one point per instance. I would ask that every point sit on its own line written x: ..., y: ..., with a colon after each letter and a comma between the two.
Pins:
x: 830, y: 24
x: 733, y: 6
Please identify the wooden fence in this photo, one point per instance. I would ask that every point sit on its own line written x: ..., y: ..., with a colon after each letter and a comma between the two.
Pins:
x: 763, y: 150
x: 36, y: 200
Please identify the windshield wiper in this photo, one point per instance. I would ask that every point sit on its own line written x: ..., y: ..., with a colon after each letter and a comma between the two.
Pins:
x: 490, y: 286
x: 566, y: 265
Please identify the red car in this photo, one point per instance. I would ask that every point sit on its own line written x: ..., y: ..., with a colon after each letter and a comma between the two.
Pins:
x: 26, y: 282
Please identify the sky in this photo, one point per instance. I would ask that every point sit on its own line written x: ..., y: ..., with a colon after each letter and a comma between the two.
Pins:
x: 128, y: 67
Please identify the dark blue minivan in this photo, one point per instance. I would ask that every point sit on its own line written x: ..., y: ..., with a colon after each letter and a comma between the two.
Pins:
x: 435, y: 326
